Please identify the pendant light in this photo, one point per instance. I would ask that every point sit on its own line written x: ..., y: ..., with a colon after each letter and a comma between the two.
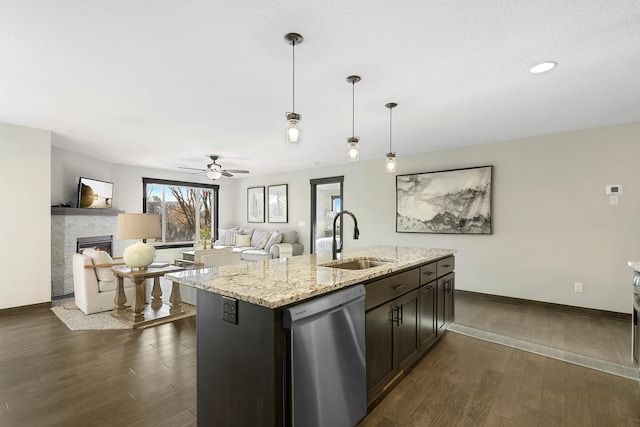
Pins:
x: 353, y: 144
x: 292, y: 135
x: 391, y: 156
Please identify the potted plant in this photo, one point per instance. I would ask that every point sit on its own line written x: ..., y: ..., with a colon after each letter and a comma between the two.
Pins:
x: 205, y: 237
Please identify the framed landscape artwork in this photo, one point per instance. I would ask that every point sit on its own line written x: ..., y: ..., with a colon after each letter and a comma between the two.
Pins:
x: 448, y: 202
x: 278, y: 209
x: 94, y: 194
x: 255, y: 204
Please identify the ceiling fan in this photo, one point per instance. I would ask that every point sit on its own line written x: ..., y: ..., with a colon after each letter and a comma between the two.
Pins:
x: 215, y: 171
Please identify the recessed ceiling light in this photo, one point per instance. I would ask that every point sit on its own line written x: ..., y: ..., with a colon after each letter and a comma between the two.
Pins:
x: 543, y: 67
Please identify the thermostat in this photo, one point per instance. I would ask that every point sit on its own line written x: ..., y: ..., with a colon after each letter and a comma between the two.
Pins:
x: 613, y: 190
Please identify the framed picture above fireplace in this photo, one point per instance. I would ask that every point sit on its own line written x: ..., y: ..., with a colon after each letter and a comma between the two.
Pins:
x: 94, y: 194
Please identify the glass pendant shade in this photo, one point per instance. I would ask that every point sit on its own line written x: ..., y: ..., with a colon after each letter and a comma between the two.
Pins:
x: 353, y: 149
x: 390, y: 166
x: 391, y: 162
x: 292, y: 134
x: 353, y: 143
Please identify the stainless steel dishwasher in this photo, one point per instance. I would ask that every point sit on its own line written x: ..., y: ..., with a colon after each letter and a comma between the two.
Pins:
x: 327, y: 367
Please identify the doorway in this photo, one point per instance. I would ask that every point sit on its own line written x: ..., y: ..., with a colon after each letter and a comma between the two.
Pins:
x: 326, y: 201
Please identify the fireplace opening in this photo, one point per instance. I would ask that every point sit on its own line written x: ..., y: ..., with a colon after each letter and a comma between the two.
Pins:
x: 104, y: 243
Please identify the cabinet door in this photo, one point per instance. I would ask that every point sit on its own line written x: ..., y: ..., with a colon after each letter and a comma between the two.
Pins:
x: 441, y: 322
x: 406, y: 329
x: 379, y: 348
x: 427, y: 315
x: 449, y: 298
x: 445, y: 302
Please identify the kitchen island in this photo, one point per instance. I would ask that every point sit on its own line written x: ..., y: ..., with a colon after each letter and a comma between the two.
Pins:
x: 242, y: 355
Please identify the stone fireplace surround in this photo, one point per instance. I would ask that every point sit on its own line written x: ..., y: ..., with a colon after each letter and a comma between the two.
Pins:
x: 67, y: 224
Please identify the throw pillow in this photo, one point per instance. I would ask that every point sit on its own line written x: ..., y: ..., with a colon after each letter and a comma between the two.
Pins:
x: 100, y: 257
x: 275, y: 238
x: 243, y: 240
x: 227, y: 237
x: 248, y: 231
x: 258, y: 235
x: 263, y: 241
x: 289, y: 236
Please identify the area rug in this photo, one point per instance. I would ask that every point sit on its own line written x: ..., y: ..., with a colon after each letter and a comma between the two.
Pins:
x: 76, y: 320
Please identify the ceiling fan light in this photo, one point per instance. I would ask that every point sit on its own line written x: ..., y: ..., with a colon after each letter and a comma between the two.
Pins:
x: 214, y: 174
x: 353, y: 149
x: 292, y: 134
x: 391, y: 162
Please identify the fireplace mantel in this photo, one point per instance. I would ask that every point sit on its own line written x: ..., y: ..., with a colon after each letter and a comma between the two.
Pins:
x: 58, y: 210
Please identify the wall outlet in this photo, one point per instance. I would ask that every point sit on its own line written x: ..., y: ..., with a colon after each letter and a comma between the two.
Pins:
x: 230, y: 310
x: 613, y: 200
x: 577, y: 287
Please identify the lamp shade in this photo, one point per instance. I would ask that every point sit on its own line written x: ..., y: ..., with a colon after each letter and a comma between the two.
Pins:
x: 138, y: 226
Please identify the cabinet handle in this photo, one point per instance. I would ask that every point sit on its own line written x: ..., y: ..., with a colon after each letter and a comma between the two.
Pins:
x: 398, y: 287
x: 446, y: 265
x: 427, y: 273
x: 396, y: 316
x: 401, y: 311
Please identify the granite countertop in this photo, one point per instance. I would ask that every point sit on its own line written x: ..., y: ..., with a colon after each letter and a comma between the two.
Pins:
x: 280, y: 282
x: 634, y: 264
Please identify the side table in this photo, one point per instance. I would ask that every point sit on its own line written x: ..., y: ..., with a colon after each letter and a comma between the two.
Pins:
x: 142, y: 314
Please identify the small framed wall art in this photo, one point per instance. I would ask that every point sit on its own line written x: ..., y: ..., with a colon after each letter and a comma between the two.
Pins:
x: 278, y: 203
x: 255, y: 204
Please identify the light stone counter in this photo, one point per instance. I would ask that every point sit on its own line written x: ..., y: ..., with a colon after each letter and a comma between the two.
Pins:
x: 635, y: 265
x: 280, y: 282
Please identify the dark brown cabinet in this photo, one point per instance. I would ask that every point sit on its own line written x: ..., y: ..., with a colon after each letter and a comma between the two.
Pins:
x: 379, y: 346
x: 405, y: 314
x: 445, y: 302
x: 392, y: 330
x: 427, y: 315
x: 406, y: 329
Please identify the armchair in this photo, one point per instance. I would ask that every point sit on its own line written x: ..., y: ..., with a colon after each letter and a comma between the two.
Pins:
x: 94, y: 284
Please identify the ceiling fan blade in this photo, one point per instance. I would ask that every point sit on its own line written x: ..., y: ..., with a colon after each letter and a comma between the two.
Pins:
x: 193, y: 169
x: 236, y: 171
x: 225, y: 173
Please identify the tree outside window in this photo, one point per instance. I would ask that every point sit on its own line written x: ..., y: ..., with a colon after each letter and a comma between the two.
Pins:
x: 185, y: 209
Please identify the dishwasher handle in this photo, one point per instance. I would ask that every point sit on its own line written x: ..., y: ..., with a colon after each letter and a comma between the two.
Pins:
x: 301, y: 313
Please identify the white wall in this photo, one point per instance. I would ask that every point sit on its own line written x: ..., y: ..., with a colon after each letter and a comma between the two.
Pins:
x: 67, y: 168
x: 25, y: 216
x: 552, y: 223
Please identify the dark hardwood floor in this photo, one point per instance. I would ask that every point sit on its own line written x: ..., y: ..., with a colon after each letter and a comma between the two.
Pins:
x: 468, y: 382
x: 595, y: 336
x: 51, y: 376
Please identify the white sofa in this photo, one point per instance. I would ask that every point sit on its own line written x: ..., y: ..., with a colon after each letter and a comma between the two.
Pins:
x: 258, y: 245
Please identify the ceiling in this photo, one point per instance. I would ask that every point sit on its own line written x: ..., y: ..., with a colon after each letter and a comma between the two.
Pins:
x: 167, y: 83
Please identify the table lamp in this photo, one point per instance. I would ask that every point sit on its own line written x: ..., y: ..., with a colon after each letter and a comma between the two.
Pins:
x: 138, y: 226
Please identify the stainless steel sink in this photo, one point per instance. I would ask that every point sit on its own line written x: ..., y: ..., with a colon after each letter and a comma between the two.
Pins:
x: 356, y: 264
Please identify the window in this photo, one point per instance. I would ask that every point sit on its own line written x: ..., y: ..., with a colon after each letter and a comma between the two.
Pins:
x: 185, y: 208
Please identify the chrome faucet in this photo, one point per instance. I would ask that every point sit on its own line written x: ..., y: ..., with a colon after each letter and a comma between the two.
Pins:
x: 356, y: 233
